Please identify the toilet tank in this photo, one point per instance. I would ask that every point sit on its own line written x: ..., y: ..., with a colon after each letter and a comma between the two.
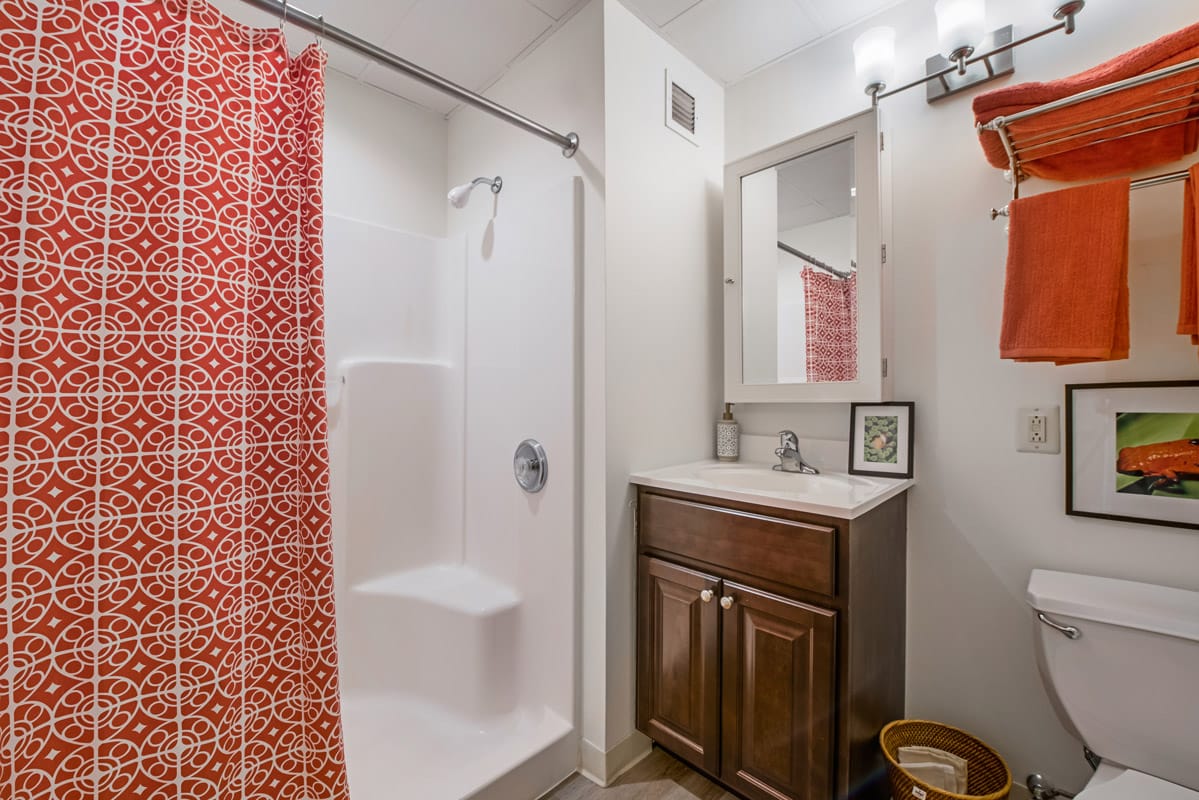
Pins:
x: 1128, y: 686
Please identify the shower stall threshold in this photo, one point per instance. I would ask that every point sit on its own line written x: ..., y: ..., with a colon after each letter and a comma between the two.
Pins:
x: 400, y: 747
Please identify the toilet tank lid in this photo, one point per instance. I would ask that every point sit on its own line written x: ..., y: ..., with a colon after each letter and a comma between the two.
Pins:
x: 1143, y: 606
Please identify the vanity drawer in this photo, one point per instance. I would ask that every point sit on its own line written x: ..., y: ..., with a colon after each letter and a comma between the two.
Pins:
x: 792, y: 553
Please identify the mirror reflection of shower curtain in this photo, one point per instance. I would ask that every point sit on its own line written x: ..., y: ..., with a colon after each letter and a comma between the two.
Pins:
x: 167, y: 628
x: 831, y: 315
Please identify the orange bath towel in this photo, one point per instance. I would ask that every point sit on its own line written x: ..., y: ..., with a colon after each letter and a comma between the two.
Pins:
x: 1188, y: 302
x: 1066, y: 297
x: 1086, y: 157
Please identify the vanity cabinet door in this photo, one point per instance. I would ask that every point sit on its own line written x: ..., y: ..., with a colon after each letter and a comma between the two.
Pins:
x: 778, y: 696
x: 678, y: 641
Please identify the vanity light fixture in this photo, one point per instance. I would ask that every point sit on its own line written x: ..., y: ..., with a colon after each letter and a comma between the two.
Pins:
x: 970, y: 56
x: 961, y: 24
x: 874, y: 58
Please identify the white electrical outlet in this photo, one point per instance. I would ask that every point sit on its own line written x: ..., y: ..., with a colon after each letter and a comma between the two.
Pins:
x: 1038, y: 430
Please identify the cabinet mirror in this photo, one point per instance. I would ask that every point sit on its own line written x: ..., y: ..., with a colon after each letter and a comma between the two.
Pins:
x: 803, y: 277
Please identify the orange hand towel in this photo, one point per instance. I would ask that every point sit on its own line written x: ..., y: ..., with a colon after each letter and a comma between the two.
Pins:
x: 1066, y: 297
x: 1102, y: 154
x: 1188, y: 303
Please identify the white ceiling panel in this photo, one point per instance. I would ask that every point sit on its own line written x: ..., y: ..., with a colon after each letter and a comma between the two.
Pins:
x: 816, y: 186
x: 832, y: 15
x: 731, y: 38
x: 661, y: 12
x: 468, y: 41
x: 370, y: 21
x: 556, y: 8
x: 391, y: 81
x: 472, y: 42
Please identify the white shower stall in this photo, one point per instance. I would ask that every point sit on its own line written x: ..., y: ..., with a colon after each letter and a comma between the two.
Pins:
x: 456, y: 589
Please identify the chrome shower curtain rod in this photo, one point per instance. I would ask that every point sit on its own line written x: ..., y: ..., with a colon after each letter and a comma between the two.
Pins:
x: 815, y: 262
x: 316, y: 25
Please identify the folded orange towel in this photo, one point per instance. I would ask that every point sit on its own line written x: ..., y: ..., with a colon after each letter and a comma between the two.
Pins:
x: 1066, y: 297
x: 1085, y: 157
x: 1188, y: 302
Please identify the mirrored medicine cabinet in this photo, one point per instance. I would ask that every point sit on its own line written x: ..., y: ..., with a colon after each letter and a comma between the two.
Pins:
x: 805, y: 305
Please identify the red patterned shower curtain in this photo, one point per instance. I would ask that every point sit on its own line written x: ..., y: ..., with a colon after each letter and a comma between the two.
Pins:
x: 831, y: 317
x: 166, y: 630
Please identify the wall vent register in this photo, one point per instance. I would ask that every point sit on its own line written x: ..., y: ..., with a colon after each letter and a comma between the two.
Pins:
x: 680, y: 110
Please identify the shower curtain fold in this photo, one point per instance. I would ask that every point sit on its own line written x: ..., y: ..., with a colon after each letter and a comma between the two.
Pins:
x: 167, y: 628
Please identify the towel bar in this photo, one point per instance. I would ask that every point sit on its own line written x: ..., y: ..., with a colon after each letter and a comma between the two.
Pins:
x: 1143, y: 183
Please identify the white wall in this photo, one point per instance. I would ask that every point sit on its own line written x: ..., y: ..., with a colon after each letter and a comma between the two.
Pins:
x: 982, y: 516
x: 559, y: 84
x: 664, y: 234
x: 385, y: 158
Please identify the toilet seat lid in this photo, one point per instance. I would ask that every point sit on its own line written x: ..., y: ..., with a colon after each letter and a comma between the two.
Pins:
x: 1131, y: 784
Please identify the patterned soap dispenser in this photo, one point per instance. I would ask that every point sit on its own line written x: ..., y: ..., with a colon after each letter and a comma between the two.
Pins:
x: 728, y: 435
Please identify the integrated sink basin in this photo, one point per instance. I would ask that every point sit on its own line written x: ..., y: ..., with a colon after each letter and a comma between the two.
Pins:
x: 834, y: 494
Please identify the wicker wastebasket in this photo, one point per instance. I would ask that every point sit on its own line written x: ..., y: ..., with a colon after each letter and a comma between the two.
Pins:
x: 988, y: 775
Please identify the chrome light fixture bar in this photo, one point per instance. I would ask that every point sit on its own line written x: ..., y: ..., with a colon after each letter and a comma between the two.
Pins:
x: 287, y: 12
x: 960, y: 30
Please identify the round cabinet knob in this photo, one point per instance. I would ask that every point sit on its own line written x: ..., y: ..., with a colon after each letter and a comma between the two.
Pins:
x: 706, y: 595
x: 726, y: 602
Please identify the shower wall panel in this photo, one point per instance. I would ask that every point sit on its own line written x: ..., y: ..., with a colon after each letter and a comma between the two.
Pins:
x: 523, y: 271
x: 396, y: 327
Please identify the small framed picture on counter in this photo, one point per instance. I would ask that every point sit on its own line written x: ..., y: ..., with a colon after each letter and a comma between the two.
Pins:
x: 880, y: 439
x: 1132, y: 452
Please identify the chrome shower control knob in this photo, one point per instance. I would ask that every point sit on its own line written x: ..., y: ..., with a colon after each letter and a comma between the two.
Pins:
x: 530, y: 466
x: 706, y: 595
x: 726, y: 602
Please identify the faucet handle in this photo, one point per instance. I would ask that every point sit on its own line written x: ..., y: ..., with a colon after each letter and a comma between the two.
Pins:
x: 788, y: 438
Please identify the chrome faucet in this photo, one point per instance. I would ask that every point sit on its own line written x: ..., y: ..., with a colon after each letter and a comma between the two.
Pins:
x: 790, y: 459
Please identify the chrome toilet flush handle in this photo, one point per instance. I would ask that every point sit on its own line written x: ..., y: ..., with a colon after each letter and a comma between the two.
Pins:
x: 1069, y: 631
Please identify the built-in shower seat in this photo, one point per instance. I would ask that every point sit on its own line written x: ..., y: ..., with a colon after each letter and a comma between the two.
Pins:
x: 444, y: 632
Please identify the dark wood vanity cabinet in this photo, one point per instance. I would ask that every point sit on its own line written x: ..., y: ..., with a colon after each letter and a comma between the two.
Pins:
x: 770, y: 643
x: 680, y: 661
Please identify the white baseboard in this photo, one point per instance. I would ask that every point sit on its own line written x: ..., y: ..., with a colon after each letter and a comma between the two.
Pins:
x: 602, y: 768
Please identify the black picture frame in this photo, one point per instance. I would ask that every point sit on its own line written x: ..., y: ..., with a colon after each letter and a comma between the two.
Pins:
x: 904, y: 471
x: 1072, y: 506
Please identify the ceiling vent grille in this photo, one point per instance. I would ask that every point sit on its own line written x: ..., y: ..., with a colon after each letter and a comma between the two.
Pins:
x: 680, y: 110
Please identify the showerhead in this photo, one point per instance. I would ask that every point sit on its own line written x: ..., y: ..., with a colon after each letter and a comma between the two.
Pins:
x: 459, y: 196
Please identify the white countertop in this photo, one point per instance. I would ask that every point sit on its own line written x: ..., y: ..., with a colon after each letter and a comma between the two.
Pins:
x: 831, y: 494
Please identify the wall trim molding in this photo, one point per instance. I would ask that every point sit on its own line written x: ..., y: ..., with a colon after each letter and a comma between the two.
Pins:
x: 602, y: 768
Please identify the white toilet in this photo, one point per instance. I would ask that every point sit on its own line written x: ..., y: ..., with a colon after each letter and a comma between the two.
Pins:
x: 1121, y: 663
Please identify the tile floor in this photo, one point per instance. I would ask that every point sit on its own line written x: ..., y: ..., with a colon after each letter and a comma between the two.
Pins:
x: 659, y: 776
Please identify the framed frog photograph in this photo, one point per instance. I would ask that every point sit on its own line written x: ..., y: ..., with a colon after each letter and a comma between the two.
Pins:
x: 880, y: 439
x: 1132, y: 452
